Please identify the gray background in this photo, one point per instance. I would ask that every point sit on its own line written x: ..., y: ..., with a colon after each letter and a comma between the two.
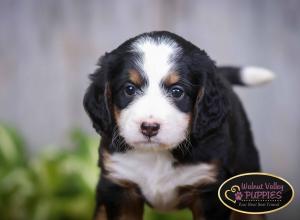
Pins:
x: 47, y: 48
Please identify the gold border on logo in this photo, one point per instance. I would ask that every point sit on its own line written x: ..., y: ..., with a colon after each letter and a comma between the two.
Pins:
x: 262, y: 174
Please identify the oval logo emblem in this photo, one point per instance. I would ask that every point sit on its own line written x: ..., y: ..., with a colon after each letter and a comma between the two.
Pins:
x: 256, y: 193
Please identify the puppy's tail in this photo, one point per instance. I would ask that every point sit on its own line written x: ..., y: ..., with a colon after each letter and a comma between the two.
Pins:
x: 246, y: 76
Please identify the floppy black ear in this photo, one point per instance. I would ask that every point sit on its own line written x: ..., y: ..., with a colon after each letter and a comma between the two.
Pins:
x: 211, y: 106
x: 97, y: 100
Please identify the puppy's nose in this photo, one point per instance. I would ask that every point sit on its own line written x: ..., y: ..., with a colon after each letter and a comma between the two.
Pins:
x: 150, y: 129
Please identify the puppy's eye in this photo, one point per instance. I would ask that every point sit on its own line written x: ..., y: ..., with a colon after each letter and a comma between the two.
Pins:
x: 130, y: 90
x: 176, y: 92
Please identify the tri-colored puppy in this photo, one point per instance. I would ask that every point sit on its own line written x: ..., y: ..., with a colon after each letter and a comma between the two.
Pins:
x: 172, y: 128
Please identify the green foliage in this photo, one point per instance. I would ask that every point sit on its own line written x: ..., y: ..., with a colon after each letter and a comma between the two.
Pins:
x: 59, y: 183
x: 150, y: 214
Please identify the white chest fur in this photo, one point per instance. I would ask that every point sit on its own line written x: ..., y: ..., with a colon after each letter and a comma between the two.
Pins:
x: 156, y: 176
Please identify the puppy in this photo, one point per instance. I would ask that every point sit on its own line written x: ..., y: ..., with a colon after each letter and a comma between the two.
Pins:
x: 172, y: 128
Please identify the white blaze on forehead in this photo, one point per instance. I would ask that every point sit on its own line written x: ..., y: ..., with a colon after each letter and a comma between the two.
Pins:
x: 157, y: 56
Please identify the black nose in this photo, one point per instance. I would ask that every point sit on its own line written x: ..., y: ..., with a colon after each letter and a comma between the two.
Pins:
x: 149, y: 129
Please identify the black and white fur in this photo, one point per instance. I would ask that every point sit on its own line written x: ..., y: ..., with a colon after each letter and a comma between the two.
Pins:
x: 172, y: 128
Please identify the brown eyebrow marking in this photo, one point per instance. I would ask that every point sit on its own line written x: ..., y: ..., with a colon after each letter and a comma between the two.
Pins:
x: 172, y: 78
x: 135, y: 77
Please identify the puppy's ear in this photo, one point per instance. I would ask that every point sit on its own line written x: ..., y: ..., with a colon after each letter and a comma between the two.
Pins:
x: 97, y: 99
x: 211, y: 106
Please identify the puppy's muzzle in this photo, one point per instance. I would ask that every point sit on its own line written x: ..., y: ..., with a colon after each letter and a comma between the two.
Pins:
x: 150, y: 129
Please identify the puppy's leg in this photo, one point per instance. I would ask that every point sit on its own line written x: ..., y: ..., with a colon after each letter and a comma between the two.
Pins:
x: 209, y: 207
x: 116, y: 202
x: 241, y: 216
x: 197, y: 210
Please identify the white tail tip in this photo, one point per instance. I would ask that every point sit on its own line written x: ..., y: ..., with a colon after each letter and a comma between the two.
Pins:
x: 252, y: 75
